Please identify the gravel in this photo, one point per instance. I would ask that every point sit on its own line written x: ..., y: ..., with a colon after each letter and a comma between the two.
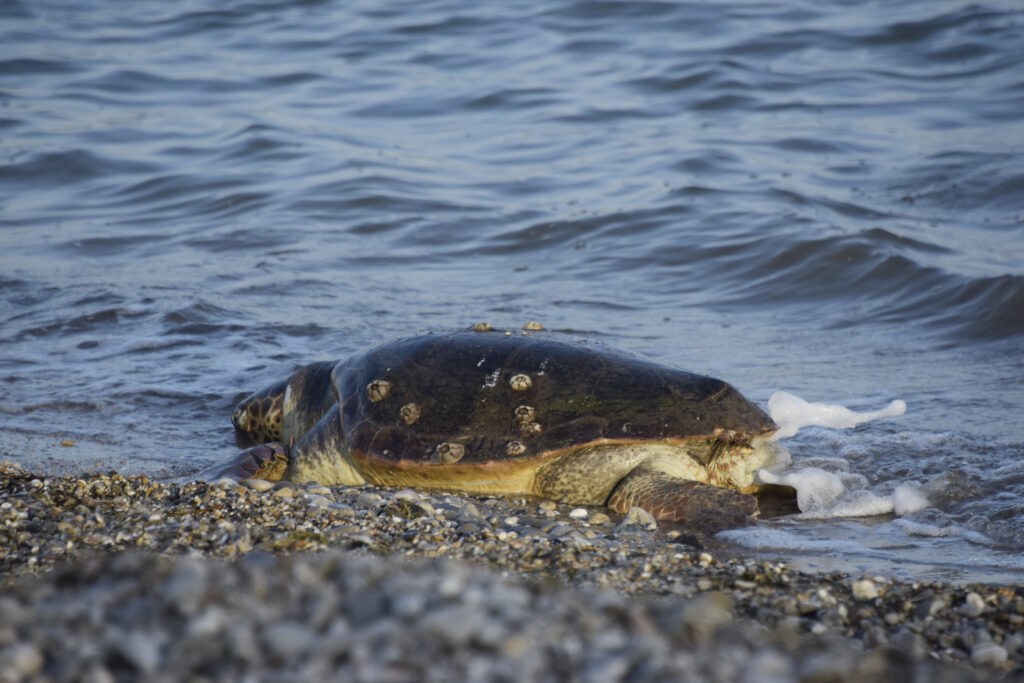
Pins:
x: 109, y: 578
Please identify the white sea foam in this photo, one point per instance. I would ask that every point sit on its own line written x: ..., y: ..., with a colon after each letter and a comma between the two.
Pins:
x: 823, y: 495
x: 816, y: 489
x: 908, y: 498
x: 938, y: 531
x: 824, y: 486
x: 792, y: 413
x: 764, y: 538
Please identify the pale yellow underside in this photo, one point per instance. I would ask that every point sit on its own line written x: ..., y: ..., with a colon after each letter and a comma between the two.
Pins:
x: 583, y: 474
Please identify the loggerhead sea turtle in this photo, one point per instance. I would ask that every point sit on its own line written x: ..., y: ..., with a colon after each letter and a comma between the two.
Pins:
x: 488, y: 413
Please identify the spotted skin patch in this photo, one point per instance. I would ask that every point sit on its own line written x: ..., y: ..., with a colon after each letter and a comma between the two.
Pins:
x: 258, y: 418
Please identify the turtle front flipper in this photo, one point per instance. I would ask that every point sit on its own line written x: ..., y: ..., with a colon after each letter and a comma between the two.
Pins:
x: 267, y: 461
x: 257, y: 418
x: 702, y: 507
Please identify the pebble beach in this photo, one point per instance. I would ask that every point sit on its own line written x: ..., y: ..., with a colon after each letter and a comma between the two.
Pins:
x: 109, y: 578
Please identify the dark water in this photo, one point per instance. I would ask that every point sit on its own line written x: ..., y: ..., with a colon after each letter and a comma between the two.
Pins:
x: 825, y: 198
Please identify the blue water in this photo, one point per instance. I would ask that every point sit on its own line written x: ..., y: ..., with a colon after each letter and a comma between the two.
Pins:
x: 826, y: 198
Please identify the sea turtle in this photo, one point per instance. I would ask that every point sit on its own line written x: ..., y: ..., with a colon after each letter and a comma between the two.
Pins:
x: 491, y: 413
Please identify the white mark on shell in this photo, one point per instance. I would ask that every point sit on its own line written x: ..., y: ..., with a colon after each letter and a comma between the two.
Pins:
x: 449, y: 452
x: 515, y: 447
x: 520, y: 382
x: 410, y: 412
x: 492, y: 379
x: 378, y: 389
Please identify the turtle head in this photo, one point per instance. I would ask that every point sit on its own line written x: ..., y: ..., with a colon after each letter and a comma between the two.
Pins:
x: 734, y: 460
x: 257, y: 419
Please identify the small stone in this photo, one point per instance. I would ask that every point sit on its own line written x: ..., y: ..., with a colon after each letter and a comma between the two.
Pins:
x: 864, y: 589
x: 579, y: 513
x: 368, y: 499
x: 876, y: 636
x: 470, y: 513
x: 705, y: 613
x: 548, y: 505
x: 1014, y: 643
x: 928, y: 608
x: 289, y: 640
x: 986, y: 653
x: 809, y: 606
x: 600, y: 518
x: 284, y: 492
x: 641, y: 518
x: 20, y: 661
x: 823, y: 668
x: 910, y: 643
x: 258, y: 485
x: 186, y: 585
x: 321, y: 490
x: 455, y: 626
x: 973, y: 606
x: 141, y: 649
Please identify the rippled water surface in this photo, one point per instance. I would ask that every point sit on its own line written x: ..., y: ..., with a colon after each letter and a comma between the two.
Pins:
x: 824, y: 198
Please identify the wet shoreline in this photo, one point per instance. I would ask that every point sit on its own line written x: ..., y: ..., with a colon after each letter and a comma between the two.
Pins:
x: 374, y: 583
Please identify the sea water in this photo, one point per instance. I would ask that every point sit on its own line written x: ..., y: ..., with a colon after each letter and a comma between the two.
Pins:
x: 821, y: 198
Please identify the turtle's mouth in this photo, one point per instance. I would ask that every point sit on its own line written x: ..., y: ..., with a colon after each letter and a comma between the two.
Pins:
x: 759, y: 441
x: 734, y: 465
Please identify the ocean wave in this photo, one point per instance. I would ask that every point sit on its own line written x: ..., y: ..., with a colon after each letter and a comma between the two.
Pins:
x: 868, y: 277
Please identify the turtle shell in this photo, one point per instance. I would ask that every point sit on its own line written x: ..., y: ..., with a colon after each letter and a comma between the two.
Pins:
x: 482, y: 397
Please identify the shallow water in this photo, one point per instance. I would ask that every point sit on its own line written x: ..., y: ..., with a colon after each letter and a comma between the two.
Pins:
x: 821, y: 198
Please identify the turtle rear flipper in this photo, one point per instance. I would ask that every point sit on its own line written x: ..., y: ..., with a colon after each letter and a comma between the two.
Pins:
x: 266, y: 461
x: 702, y: 507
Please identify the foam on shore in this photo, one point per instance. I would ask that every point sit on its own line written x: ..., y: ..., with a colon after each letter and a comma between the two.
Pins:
x: 792, y: 413
x: 822, y: 493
